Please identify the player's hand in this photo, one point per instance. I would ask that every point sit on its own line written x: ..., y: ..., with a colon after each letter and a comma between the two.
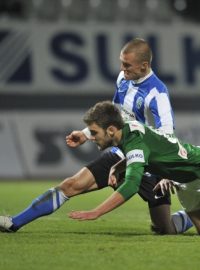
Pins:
x: 114, y: 175
x: 112, y: 179
x: 84, y: 215
x: 76, y: 138
x: 165, y: 186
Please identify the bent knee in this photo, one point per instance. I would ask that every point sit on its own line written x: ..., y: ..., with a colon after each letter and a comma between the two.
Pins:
x: 81, y: 182
x: 70, y: 186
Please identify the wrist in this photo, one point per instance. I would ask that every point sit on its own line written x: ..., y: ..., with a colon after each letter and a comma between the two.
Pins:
x: 98, y: 212
x: 86, y: 132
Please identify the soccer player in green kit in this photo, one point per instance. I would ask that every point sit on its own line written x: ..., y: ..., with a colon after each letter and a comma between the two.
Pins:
x: 146, y: 150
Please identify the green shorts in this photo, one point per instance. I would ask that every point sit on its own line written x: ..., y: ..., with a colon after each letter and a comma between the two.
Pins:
x: 189, y: 195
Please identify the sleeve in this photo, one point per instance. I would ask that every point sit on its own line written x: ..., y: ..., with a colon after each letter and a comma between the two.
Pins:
x: 132, y: 181
x: 87, y: 133
x: 137, y: 159
x: 116, y: 96
x: 160, y: 107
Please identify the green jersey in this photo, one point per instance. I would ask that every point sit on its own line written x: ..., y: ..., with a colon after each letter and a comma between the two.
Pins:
x: 148, y: 150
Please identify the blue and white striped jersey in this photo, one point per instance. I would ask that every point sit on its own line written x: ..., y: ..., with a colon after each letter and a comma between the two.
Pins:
x: 144, y: 99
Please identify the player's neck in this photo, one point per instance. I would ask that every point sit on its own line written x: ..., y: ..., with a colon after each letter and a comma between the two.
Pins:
x: 117, y: 137
x: 144, y: 76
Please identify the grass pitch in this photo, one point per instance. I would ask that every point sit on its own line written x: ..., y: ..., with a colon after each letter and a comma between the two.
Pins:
x: 119, y: 240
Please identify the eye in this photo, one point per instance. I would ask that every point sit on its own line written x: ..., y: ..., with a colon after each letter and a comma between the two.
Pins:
x: 127, y: 65
x: 93, y: 133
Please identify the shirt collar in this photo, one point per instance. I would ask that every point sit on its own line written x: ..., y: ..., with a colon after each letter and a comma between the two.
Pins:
x: 143, y: 78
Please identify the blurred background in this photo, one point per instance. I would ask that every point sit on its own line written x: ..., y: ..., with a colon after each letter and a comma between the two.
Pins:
x: 59, y: 57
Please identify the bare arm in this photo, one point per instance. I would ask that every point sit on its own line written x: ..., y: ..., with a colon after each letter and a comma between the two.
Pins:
x: 112, y: 202
x: 115, y: 170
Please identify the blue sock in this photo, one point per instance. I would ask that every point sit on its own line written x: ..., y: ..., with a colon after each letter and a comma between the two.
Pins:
x: 181, y: 221
x: 43, y: 205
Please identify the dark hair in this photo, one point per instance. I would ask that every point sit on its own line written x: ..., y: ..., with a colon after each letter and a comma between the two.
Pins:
x: 104, y: 114
x: 140, y: 47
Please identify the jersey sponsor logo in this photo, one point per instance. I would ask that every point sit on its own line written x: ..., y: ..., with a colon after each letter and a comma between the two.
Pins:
x: 136, y: 155
x: 127, y: 116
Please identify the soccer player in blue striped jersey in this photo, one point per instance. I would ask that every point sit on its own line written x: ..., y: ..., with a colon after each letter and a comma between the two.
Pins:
x: 139, y: 97
x: 138, y: 93
x: 143, y: 97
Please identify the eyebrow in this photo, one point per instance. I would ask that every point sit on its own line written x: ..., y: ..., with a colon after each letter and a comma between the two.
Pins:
x: 125, y: 64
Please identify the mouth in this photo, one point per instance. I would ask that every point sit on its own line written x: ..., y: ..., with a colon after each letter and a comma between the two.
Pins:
x: 126, y: 75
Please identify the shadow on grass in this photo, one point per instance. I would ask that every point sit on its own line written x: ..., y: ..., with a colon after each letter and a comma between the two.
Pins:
x: 61, y: 232
x: 106, y: 233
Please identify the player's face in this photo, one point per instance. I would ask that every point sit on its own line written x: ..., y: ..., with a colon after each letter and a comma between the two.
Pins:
x: 132, y: 67
x: 100, y: 136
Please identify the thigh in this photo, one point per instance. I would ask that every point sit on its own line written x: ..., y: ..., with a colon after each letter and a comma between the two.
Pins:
x: 83, y: 181
x: 146, y: 191
x: 100, y: 167
x: 159, y: 209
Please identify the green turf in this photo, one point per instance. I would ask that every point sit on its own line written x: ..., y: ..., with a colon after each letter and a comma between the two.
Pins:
x: 119, y: 240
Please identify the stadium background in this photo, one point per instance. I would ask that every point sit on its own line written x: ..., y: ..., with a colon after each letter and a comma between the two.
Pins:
x: 59, y: 57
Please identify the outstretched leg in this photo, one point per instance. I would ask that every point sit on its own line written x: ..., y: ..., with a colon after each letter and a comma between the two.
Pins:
x: 92, y: 177
x: 51, y: 200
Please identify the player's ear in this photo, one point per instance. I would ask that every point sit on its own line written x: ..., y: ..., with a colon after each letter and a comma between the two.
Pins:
x: 144, y: 66
x: 111, y: 130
